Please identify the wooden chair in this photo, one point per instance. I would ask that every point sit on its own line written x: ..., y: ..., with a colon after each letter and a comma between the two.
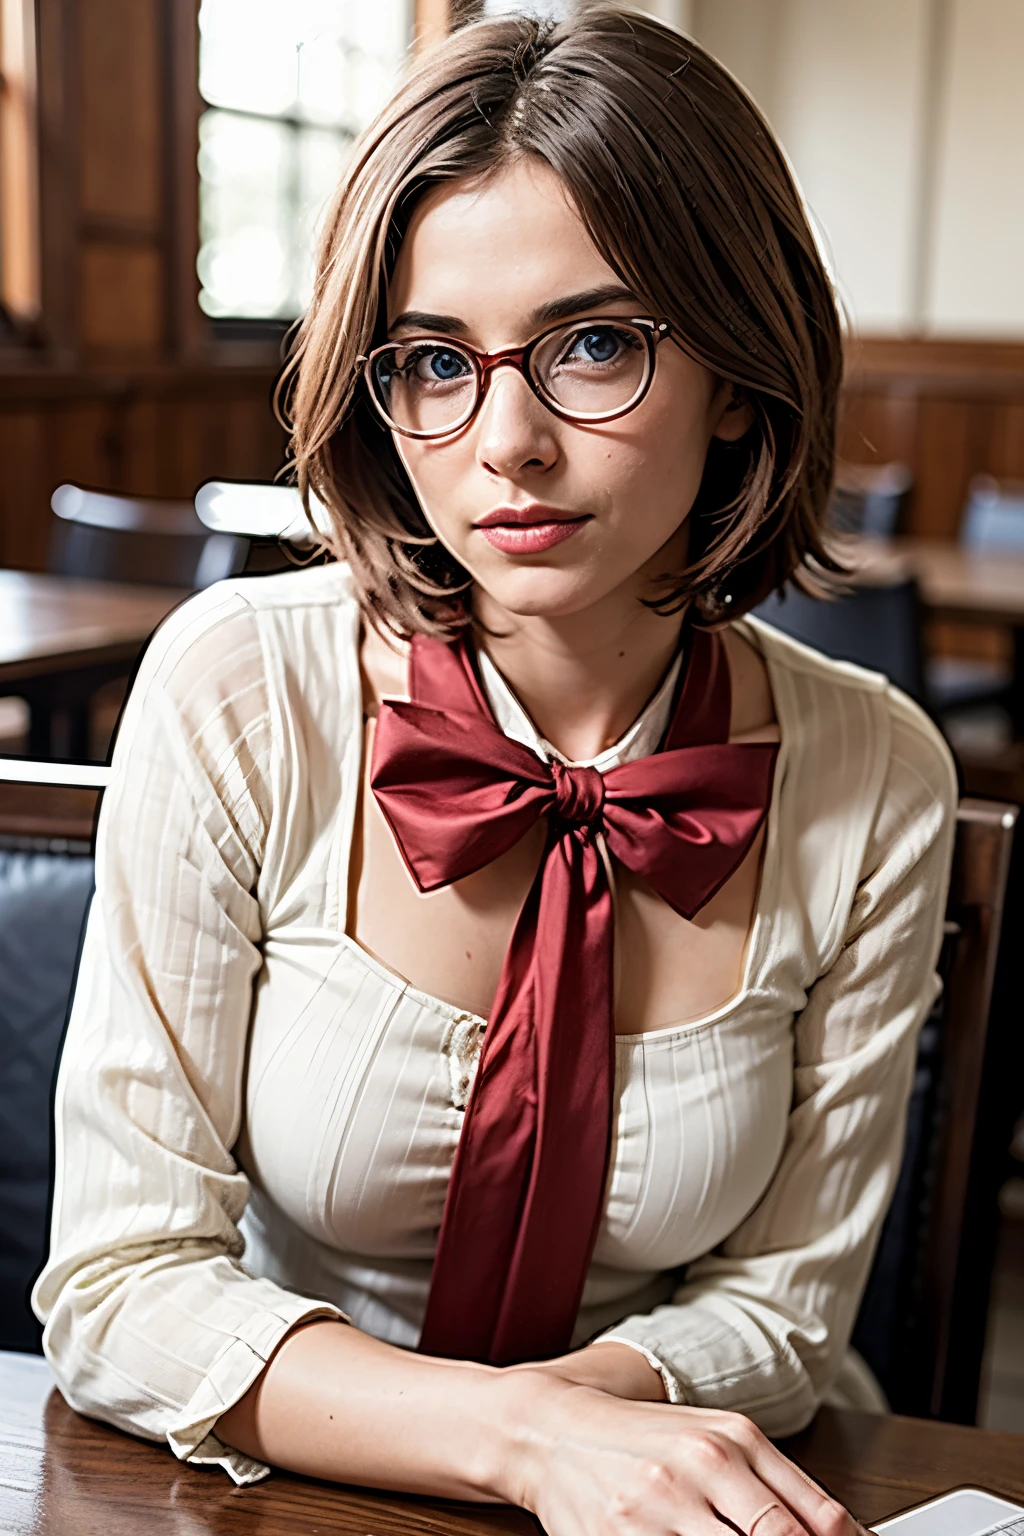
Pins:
x: 922, y: 1321
x: 102, y: 537
x: 137, y: 539
x: 921, y: 1325
x: 271, y: 518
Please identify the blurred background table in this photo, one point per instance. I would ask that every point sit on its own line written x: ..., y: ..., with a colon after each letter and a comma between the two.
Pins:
x: 955, y: 583
x: 60, y: 1473
x: 61, y: 638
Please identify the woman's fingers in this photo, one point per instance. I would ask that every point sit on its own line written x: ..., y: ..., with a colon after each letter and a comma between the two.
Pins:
x: 819, y: 1514
x: 740, y: 1495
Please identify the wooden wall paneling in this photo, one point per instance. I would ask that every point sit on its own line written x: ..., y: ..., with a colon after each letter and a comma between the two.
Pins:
x: 124, y: 269
x: 23, y: 455
x: 140, y: 425
x: 122, y: 299
x: 944, y: 463
x: 1006, y: 447
x: 121, y: 118
x: 57, y: 23
x: 253, y: 437
x: 968, y: 406
x: 878, y: 428
x: 188, y: 328
x: 85, y: 444
x: 194, y: 440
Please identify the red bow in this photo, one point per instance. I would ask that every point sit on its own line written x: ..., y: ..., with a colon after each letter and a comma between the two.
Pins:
x: 527, y: 1186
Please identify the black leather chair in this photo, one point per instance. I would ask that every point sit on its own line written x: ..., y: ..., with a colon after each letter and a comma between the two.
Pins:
x: 876, y: 626
x: 46, y: 878
x: 106, y: 537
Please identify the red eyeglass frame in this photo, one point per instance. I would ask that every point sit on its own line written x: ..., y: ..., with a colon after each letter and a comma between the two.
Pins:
x: 484, y: 363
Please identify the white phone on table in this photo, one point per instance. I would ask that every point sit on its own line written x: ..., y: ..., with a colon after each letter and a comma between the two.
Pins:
x: 964, y: 1512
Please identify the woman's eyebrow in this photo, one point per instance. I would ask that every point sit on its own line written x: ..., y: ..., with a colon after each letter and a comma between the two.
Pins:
x: 423, y: 320
x: 556, y: 309
x: 575, y: 303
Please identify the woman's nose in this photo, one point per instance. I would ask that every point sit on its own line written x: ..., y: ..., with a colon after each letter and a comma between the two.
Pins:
x: 515, y: 431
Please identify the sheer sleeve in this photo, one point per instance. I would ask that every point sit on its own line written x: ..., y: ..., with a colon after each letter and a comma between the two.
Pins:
x: 152, y: 1322
x: 760, y: 1326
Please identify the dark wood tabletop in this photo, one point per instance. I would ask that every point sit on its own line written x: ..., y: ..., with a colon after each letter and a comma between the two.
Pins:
x: 62, y: 1475
x: 51, y: 624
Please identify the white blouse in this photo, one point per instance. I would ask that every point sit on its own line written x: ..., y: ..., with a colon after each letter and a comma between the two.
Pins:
x: 256, y: 1119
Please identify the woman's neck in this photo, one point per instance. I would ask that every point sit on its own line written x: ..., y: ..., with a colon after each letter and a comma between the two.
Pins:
x: 584, y: 678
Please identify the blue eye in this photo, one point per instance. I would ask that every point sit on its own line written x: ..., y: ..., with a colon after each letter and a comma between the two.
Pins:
x: 599, y: 346
x: 446, y: 365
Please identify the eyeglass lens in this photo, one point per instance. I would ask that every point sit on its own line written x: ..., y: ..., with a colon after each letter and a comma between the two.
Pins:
x: 588, y: 370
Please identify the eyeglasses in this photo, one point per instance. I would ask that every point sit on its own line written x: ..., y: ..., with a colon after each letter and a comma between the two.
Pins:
x: 589, y: 370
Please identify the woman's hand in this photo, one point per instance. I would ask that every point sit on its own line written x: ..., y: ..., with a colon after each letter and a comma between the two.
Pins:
x: 608, y: 1365
x: 589, y: 1464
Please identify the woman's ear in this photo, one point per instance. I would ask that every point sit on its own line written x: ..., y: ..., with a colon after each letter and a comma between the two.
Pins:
x: 731, y: 413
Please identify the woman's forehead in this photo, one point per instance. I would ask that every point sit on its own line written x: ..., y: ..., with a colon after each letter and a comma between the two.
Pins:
x: 494, y: 249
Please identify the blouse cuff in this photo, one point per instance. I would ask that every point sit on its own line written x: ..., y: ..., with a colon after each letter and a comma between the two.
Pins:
x: 673, y: 1387
x: 246, y: 1353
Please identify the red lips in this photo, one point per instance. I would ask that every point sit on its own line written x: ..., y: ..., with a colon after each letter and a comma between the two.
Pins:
x: 529, y: 530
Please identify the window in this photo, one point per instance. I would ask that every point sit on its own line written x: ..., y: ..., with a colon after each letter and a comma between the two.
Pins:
x: 287, y: 86
x: 19, y: 168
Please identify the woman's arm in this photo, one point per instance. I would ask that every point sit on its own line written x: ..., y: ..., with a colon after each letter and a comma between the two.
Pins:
x: 398, y: 1418
x: 337, y: 1404
x: 152, y: 1323
x: 761, y: 1325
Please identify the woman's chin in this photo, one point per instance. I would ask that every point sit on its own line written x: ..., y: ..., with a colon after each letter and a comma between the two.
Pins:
x: 533, y: 592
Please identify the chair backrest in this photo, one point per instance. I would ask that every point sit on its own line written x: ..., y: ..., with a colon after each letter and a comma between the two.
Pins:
x: 993, y: 517
x: 917, y: 1326
x: 45, y: 887
x: 270, y: 517
x: 870, y: 499
x: 876, y: 626
x: 136, y: 539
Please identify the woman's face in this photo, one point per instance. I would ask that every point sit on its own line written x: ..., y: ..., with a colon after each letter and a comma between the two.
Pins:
x: 484, y: 263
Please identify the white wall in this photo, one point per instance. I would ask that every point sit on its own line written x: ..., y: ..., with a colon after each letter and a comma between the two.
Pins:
x: 744, y: 36
x: 904, y: 122
x: 848, y: 98
x: 976, y: 281
x: 841, y: 82
x: 678, y: 12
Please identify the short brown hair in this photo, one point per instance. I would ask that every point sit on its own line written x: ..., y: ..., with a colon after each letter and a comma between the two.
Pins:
x: 686, y: 195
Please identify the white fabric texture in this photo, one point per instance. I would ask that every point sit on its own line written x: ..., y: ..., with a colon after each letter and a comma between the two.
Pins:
x: 256, y: 1120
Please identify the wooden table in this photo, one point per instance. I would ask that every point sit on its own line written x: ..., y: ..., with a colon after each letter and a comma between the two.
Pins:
x: 954, y: 585
x: 61, y: 1475
x: 60, y: 639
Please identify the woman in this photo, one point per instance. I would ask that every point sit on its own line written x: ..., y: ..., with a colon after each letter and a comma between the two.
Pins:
x: 567, y: 389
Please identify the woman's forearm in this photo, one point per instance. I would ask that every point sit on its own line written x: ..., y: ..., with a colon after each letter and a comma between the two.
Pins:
x: 335, y: 1403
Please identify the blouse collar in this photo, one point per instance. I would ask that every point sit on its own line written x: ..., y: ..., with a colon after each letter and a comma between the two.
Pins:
x: 641, y: 740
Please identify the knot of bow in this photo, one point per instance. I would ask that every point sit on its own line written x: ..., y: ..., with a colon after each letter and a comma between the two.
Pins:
x: 579, y: 795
